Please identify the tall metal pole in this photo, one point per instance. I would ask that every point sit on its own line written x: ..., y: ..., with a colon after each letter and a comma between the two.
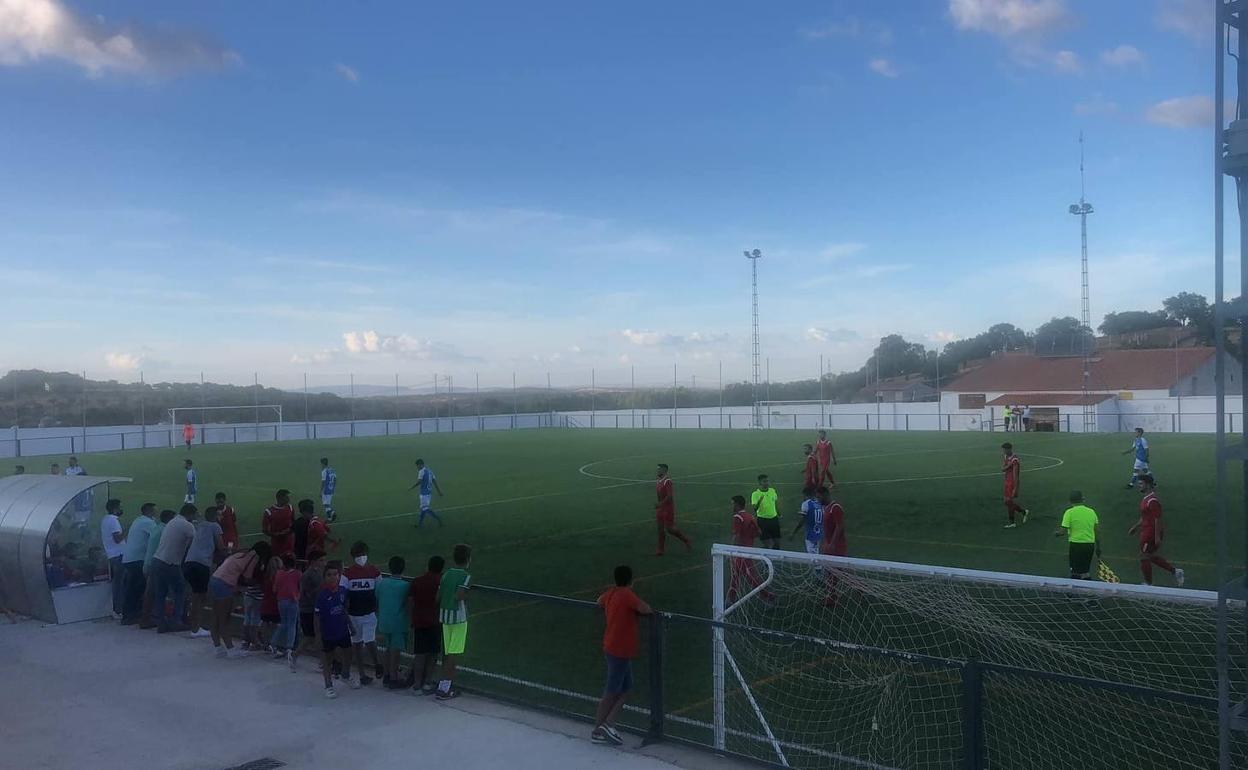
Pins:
x: 84, y: 411
x: 821, y: 414
x: 515, y: 398
x: 306, y: 433
x: 476, y: 396
x: 550, y: 403
x: 1081, y: 210
x: 674, y: 386
x: 721, y: 392
x: 632, y: 396
x: 256, y: 397
x: 938, y: 347
x: 352, y: 377
x: 203, y: 403
x: 396, y: 399
x: 754, y: 256
x: 768, y: 392
x: 142, y: 412
x: 593, y: 389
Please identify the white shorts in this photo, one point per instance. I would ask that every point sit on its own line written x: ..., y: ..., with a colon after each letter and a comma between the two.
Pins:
x: 363, y: 628
x: 426, y: 502
x: 1140, y: 466
x: 188, y: 499
x: 327, y: 501
x: 811, y: 547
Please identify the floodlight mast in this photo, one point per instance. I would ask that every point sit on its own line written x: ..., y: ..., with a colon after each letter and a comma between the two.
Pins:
x: 1081, y: 210
x: 754, y: 256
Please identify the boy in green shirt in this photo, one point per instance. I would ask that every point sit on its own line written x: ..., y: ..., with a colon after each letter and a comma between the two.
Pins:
x: 453, y: 612
x: 392, y: 619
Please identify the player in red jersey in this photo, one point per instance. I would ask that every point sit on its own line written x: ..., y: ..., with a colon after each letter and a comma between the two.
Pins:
x: 228, y: 522
x: 827, y: 458
x: 278, y: 523
x: 833, y: 541
x: 811, y: 472
x: 744, y: 531
x: 1151, y: 531
x: 1013, y: 471
x: 665, y: 511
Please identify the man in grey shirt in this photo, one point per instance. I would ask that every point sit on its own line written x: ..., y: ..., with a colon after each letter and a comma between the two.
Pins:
x: 167, y: 569
x: 197, y: 569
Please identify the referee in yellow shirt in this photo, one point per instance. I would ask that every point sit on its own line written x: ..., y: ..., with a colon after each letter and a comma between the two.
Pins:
x: 763, y: 501
x: 1082, y: 528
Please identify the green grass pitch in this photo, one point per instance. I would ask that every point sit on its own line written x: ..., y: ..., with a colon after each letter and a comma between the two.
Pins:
x: 554, y: 510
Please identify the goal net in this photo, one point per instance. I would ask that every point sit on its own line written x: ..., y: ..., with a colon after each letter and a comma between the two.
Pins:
x: 830, y: 662
x: 228, y: 424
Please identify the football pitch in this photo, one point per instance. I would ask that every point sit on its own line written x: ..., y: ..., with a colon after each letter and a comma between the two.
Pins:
x: 552, y: 511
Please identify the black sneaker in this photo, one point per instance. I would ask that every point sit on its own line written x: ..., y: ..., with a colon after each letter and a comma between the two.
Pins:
x: 379, y: 672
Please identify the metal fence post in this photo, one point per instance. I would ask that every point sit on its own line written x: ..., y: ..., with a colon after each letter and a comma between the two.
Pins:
x: 972, y: 716
x: 655, y: 733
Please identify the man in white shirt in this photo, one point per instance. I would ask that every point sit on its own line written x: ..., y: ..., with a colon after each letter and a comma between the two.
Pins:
x: 82, y: 503
x: 114, y: 541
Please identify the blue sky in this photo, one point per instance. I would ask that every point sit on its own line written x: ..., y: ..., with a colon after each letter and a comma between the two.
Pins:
x: 558, y: 186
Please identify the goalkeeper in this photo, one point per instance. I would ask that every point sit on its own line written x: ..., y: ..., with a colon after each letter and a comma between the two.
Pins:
x: 1081, y: 526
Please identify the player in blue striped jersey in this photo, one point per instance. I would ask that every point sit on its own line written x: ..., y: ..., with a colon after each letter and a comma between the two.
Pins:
x: 1139, y: 448
x: 329, y: 483
x: 811, y: 514
x: 428, y: 483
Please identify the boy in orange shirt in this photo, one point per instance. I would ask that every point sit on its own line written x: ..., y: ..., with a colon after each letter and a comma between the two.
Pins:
x: 620, y: 644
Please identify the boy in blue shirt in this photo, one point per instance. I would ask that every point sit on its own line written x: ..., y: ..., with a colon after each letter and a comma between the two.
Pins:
x: 332, y: 627
x: 812, y: 520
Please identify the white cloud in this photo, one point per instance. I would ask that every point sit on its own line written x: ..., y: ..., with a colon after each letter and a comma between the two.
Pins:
x: 123, y: 362
x: 1191, y: 18
x: 347, y: 73
x: 884, y: 67
x: 943, y: 337
x: 1097, y: 105
x: 645, y: 338
x: 35, y: 30
x: 853, y: 28
x: 1008, y: 18
x: 405, y: 346
x: 1123, y: 56
x: 887, y: 268
x: 838, y: 250
x: 1182, y: 112
x: 1067, y: 62
x: 819, y: 334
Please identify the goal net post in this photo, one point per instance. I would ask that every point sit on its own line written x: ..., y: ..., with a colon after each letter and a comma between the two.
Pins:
x: 225, y: 415
x: 830, y: 662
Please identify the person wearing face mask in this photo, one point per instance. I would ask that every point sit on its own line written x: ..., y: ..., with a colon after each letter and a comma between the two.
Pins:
x: 360, y: 580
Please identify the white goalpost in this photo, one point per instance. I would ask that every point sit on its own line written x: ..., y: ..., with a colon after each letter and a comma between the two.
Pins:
x: 255, y: 413
x: 829, y: 662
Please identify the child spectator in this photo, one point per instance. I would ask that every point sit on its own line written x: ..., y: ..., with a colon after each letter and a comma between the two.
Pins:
x: 228, y: 522
x: 361, y: 579
x: 422, y: 608
x: 332, y: 626
x: 620, y: 644
x: 453, y: 613
x: 270, y: 618
x: 309, y: 587
x: 237, y: 569
x: 253, y: 597
x: 392, y: 620
x: 286, y: 586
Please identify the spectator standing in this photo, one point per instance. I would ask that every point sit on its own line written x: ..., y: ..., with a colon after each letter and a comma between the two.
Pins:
x: 332, y: 626
x: 228, y: 521
x: 361, y: 583
x: 175, y: 541
x: 114, y: 541
x: 207, y: 545
x: 134, y: 584
x: 286, y: 585
x: 192, y: 482
x: 299, y: 528
x: 278, y: 522
x: 453, y: 613
x: 1026, y: 419
x: 392, y: 620
x: 82, y: 501
x: 620, y: 645
x: 236, y: 570
x: 309, y: 587
x: 422, y: 608
x: 149, y: 595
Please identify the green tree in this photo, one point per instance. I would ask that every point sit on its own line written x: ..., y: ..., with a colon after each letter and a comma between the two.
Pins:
x: 1129, y: 321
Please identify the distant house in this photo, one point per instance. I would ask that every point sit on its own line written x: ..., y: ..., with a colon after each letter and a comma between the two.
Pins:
x: 906, y: 389
x: 1053, y: 386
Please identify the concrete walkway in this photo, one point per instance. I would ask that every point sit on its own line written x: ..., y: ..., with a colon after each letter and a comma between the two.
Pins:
x: 102, y: 696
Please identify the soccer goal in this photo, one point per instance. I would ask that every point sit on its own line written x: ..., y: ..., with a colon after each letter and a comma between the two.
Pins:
x: 829, y: 662
x: 226, y: 415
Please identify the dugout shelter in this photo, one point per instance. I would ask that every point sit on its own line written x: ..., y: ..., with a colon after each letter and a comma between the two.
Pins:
x: 50, y: 557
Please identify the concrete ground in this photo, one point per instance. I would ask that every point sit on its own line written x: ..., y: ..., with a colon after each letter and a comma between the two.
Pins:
x: 102, y: 696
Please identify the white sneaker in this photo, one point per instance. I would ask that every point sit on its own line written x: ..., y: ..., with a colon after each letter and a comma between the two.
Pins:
x: 612, y: 735
x: 220, y: 652
x: 238, y: 653
x: 1179, y: 577
x: 1011, y: 525
x: 329, y: 693
x: 200, y: 634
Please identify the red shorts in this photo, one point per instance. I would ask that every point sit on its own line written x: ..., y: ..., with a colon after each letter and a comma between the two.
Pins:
x: 665, y: 516
x: 1011, y: 493
x: 1149, y: 545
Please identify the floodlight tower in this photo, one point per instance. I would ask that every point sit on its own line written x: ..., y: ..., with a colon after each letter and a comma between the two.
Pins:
x: 1081, y: 210
x: 754, y: 256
